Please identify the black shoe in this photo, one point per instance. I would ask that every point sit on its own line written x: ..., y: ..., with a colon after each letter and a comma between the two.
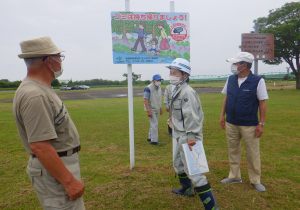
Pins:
x: 149, y: 140
x: 184, y: 192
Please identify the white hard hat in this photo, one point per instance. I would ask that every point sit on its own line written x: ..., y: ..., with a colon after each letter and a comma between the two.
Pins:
x: 181, y: 64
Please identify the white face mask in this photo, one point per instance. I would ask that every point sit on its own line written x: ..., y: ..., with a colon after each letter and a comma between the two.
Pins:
x: 157, y: 83
x: 174, y: 80
x: 58, y: 73
x: 234, y: 69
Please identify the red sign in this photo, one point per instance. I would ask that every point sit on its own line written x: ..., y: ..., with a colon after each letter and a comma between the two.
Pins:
x: 178, y: 32
x: 260, y: 45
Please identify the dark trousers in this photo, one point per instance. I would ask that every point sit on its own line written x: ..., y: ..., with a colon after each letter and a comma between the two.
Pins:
x: 139, y: 40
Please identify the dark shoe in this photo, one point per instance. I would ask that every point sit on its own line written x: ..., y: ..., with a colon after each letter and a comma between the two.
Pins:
x: 186, y: 186
x: 149, y: 140
x: 153, y: 143
x: 184, y: 192
x: 206, y: 196
x: 132, y: 49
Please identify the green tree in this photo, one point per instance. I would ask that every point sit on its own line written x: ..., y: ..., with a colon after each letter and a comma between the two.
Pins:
x: 284, y: 23
x: 55, y: 83
x: 135, y: 77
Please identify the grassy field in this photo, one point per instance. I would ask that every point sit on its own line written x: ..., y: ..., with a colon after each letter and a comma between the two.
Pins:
x: 103, y: 127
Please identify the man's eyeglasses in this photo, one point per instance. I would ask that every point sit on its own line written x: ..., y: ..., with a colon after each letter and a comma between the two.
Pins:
x: 61, y: 57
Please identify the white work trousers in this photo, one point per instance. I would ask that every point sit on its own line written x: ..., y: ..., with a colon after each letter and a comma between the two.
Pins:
x: 153, y: 129
x: 180, y: 166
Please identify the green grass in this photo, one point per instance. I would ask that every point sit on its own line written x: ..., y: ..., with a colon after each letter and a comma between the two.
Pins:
x: 103, y: 127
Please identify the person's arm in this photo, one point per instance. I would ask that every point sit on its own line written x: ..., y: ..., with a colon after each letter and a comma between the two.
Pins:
x: 166, y: 99
x: 223, y: 107
x: 222, y: 115
x: 54, y: 165
x: 262, y: 117
x: 147, y: 107
x: 192, y: 117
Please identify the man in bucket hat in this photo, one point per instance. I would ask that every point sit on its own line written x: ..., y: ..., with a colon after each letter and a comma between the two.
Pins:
x: 245, y: 94
x: 47, y: 130
x: 187, y: 119
x: 152, y: 105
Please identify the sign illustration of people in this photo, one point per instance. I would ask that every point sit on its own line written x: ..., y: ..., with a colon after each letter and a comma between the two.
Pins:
x: 164, y: 43
x: 140, y: 39
x: 149, y: 38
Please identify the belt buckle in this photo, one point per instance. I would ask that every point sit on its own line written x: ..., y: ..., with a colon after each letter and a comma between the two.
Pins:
x: 70, y: 152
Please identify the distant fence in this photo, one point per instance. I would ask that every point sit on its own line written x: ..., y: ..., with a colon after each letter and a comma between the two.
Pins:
x: 267, y: 76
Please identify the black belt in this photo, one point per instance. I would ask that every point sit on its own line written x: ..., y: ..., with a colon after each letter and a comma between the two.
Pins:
x: 65, y: 153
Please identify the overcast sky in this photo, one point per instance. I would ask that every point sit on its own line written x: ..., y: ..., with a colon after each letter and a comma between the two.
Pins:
x: 82, y: 29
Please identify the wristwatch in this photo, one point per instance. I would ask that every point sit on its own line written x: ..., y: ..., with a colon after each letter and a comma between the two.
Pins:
x: 262, y: 123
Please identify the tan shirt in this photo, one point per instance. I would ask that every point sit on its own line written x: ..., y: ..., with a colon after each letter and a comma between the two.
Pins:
x: 40, y: 115
x: 186, y: 112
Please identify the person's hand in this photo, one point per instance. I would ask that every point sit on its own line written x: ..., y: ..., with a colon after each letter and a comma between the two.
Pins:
x: 191, y: 143
x: 259, y: 131
x: 161, y: 111
x: 222, y: 122
x: 74, y: 189
x: 149, y: 113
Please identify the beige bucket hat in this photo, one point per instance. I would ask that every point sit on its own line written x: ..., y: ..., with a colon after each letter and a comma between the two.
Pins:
x: 38, y: 47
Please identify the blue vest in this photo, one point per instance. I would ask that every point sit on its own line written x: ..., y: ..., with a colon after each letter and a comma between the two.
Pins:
x: 242, y: 103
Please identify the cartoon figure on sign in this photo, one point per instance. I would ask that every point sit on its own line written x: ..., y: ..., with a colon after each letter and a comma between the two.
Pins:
x: 164, y: 43
x: 153, y: 46
x: 141, y: 35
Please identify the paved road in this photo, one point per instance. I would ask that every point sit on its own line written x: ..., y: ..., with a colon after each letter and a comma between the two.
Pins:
x: 115, y: 93
x: 107, y: 93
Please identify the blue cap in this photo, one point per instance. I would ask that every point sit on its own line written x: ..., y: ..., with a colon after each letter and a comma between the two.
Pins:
x: 156, y: 77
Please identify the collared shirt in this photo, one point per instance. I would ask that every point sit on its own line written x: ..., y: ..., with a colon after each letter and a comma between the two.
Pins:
x: 41, y: 115
x: 186, y: 112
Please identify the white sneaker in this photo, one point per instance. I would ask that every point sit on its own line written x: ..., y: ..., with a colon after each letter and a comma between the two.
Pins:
x: 259, y: 187
x: 231, y: 180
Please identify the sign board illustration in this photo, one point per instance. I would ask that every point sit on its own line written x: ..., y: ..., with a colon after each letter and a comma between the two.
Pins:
x: 149, y: 37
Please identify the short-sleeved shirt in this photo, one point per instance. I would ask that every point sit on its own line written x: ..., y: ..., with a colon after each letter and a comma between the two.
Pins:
x: 261, y: 91
x: 41, y: 115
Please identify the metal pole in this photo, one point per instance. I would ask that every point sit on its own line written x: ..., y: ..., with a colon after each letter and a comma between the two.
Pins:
x: 130, y: 104
x: 174, y: 142
x: 172, y: 6
x: 256, y: 30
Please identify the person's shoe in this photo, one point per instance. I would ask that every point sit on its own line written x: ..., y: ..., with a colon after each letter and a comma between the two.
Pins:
x: 259, y: 187
x: 231, y: 180
x: 149, y: 140
x: 184, y: 192
x: 153, y: 143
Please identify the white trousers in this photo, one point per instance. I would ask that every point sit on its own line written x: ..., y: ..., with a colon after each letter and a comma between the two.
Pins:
x: 153, y: 128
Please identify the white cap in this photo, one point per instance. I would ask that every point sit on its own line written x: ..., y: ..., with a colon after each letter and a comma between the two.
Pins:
x: 241, y: 56
x: 181, y: 65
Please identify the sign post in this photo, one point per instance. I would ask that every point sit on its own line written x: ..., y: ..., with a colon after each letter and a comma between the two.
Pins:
x: 147, y: 38
x: 130, y: 104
